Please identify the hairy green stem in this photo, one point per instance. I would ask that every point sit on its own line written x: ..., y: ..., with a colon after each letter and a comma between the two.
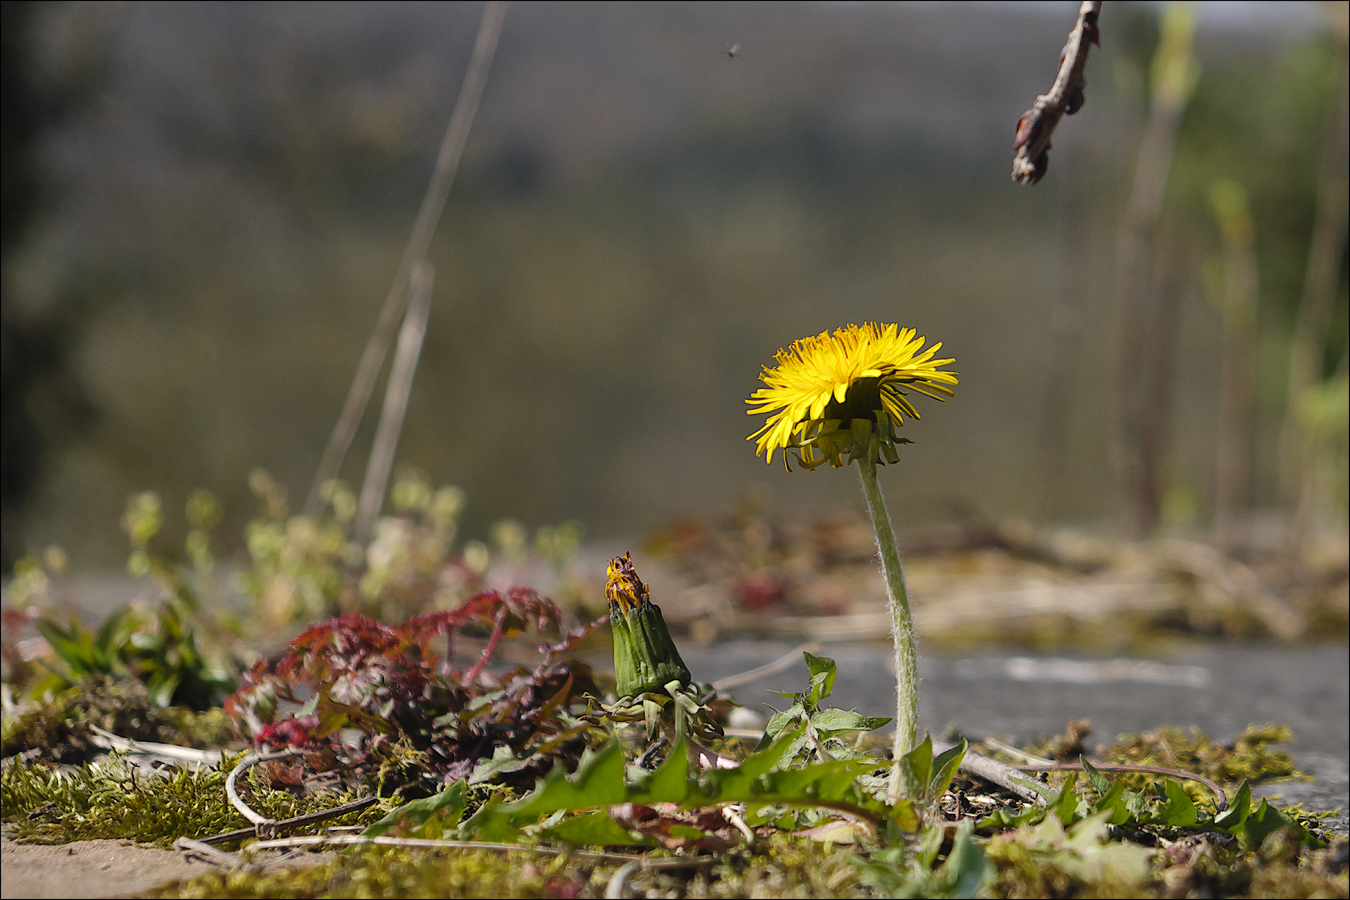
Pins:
x: 902, y: 633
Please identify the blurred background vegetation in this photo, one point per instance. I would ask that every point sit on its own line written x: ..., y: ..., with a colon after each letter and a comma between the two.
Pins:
x: 204, y: 205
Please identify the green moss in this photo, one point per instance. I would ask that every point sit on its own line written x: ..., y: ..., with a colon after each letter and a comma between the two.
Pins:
x: 60, y: 725
x: 780, y: 867
x: 1249, y: 758
x: 380, y: 872
x: 112, y: 799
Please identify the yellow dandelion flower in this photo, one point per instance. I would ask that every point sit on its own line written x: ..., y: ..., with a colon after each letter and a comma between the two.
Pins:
x: 838, y: 397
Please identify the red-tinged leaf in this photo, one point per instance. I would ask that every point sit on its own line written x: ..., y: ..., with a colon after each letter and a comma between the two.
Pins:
x: 564, y: 888
x: 384, y: 681
x: 673, y: 829
x: 322, y: 760
x: 280, y: 775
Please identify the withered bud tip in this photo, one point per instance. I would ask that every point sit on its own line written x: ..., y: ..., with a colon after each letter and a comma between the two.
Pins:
x: 624, y: 589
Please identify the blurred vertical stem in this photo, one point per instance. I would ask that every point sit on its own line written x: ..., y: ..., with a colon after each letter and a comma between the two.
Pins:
x: 902, y: 633
x: 410, y: 339
x: 1239, y: 304
x: 1136, y: 452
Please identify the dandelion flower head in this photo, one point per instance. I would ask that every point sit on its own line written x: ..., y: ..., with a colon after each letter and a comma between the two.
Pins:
x: 837, y: 397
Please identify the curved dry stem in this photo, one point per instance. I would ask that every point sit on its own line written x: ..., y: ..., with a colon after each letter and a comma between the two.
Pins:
x: 1221, y: 798
x: 252, y: 759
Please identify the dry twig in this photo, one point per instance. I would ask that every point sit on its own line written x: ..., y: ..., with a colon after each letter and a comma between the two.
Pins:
x: 433, y: 204
x: 1220, y: 798
x: 395, y: 401
x: 201, y: 850
x: 786, y: 661
x: 263, y: 826
x: 167, y: 753
x: 1010, y: 778
x: 252, y: 759
x: 1064, y: 99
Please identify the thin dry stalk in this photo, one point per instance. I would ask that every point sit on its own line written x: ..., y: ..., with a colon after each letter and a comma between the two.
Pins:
x: 1065, y: 98
x: 1239, y: 344
x: 1067, y: 324
x: 433, y: 204
x: 786, y: 661
x: 1175, y: 74
x: 410, y: 339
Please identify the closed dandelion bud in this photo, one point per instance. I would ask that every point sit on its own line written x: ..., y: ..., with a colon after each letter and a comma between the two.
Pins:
x: 645, y: 657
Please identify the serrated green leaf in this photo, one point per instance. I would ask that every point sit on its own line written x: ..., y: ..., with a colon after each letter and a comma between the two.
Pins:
x: 944, y: 769
x: 919, y: 762
x: 758, y: 782
x: 780, y: 720
x: 778, y: 753
x: 828, y: 722
x: 447, y: 807
x: 823, y: 672
x: 1065, y: 803
x: 1178, y: 810
x: 1099, y: 781
x: 1237, y: 811
x: 669, y: 783
x: 598, y: 782
x: 596, y: 829
x: 1115, y: 805
x: 1264, y: 821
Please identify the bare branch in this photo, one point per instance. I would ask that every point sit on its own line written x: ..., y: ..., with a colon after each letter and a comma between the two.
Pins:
x: 1064, y: 99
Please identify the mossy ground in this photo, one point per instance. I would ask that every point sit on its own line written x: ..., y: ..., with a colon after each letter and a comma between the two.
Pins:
x: 43, y: 800
x: 115, y: 799
x: 105, y: 800
x: 59, y: 726
x: 780, y: 867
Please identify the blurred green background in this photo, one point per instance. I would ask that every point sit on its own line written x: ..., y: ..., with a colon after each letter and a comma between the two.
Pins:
x: 204, y: 205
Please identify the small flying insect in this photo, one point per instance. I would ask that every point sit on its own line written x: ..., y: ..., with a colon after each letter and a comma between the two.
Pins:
x: 734, y: 51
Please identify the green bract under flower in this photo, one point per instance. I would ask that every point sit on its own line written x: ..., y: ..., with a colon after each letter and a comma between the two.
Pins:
x: 645, y: 657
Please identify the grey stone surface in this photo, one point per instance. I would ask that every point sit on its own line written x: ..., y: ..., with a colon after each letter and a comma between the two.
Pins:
x: 1218, y: 688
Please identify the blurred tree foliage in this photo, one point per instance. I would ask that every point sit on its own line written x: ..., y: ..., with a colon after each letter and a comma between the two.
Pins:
x: 639, y: 223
